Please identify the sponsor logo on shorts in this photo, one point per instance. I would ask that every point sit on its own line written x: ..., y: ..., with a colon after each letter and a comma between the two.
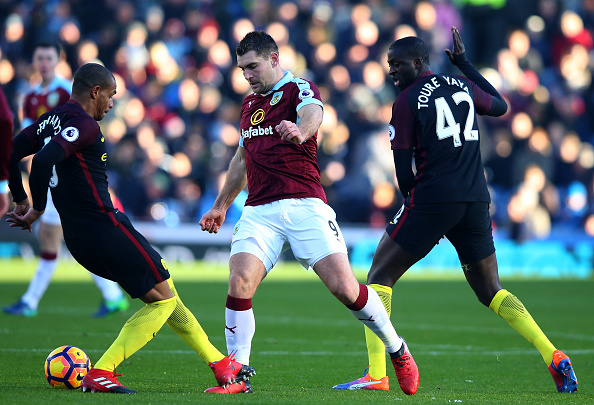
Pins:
x: 392, y: 131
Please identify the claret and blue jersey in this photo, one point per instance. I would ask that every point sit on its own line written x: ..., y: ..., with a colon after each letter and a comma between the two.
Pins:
x: 278, y: 169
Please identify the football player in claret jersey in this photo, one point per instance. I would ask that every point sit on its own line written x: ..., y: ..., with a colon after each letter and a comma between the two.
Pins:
x: 434, y: 122
x: 286, y: 205
x: 52, y: 92
x: 101, y: 238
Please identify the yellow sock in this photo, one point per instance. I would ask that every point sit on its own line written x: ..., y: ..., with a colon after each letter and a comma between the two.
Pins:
x: 185, y: 324
x: 137, y: 332
x: 376, y: 351
x: 513, y: 311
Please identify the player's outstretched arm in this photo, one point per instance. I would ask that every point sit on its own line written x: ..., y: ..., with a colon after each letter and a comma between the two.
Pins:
x: 458, y: 57
x: 235, y: 181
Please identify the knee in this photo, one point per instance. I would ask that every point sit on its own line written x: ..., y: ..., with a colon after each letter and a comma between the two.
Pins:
x: 345, y: 293
x: 242, y: 284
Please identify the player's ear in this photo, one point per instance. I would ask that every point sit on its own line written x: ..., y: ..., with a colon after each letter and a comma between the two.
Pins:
x: 274, y: 60
x: 95, y: 90
x: 418, y: 63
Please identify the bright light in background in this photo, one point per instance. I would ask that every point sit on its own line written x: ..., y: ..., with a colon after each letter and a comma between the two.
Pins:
x: 181, y: 165
x: 360, y: 13
x: 519, y: 43
x: 367, y: 33
x: 384, y: 195
x: 219, y: 54
x: 87, y: 52
x: 116, y: 129
x: 238, y: 82
x: 571, y: 24
x: 288, y: 58
x: 134, y: 112
x: 14, y: 28
x: 210, y: 99
x: 521, y: 125
x: 70, y: 33
x: 288, y: 11
x: 145, y: 135
x: 241, y: 28
x: 279, y: 32
x: 340, y: 77
x: 425, y: 16
x: 358, y: 53
x: 6, y: 71
x: 325, y: 53
x: 208, y: 35
x: 154, y: 18
x: 121, y: 86
x: 535, y: 24
x: 189, y: 94
x: 403, y: 31
x: 373, y: 75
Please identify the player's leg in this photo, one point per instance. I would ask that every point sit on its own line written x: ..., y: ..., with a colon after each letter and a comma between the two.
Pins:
x: 479, y: 262
x: 390, y: 262
x: 50, y: 240
x: 481, y: 276
x: 185, y: 324
x: 367, y: 307
x: 137, y: 332
x: 113, y: 299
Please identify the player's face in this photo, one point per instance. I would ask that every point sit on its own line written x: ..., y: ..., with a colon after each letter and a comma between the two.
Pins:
x: 46, y: 60
x: 403, y: 70
x: 104, y: 101
x: 258, y: 71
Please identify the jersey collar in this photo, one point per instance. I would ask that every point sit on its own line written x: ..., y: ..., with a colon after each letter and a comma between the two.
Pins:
x: 286, y: 79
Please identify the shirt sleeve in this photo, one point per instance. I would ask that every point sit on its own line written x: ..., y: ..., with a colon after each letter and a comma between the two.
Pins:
x: 402, y: 124
x: 79, y: 134
x: 308, y: 93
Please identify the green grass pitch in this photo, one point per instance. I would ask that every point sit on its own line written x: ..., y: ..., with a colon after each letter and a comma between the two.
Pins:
x: 305, y: 341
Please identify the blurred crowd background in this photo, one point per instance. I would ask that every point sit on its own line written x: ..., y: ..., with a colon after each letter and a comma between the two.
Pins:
x: 174, y: 127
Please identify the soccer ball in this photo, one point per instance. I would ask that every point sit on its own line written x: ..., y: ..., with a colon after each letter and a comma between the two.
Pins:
x: 66, y: 366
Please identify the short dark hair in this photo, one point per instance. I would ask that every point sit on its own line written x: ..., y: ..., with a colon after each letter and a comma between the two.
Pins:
x: 48, y: 44
x: 90, y: 75
x: 258, y: 41
x: 411, y: 48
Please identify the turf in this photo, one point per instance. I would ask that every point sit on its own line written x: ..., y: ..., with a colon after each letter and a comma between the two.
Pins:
x: 305, y: 341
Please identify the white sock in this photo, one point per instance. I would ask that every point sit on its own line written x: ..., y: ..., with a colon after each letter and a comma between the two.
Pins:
x: 240, y: 327
x: 374, y: 316
x: 39, y: 282
x: 109, y: 289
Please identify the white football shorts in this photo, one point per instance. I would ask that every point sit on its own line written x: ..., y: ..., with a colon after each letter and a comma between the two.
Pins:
x: 305, y: 225
x: 50, y: 215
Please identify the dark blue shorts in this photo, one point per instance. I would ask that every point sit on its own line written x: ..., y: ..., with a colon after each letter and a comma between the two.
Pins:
x: 121, y: 254
x: 467, y: 225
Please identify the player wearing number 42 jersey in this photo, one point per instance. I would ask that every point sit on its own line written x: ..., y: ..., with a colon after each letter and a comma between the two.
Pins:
x: 434, y: 122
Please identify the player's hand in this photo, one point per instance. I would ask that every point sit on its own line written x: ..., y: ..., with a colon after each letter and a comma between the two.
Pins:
x: 289, y: 131
x: 25, y: 222
x: 212, y: 220
x: 458, y: 45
